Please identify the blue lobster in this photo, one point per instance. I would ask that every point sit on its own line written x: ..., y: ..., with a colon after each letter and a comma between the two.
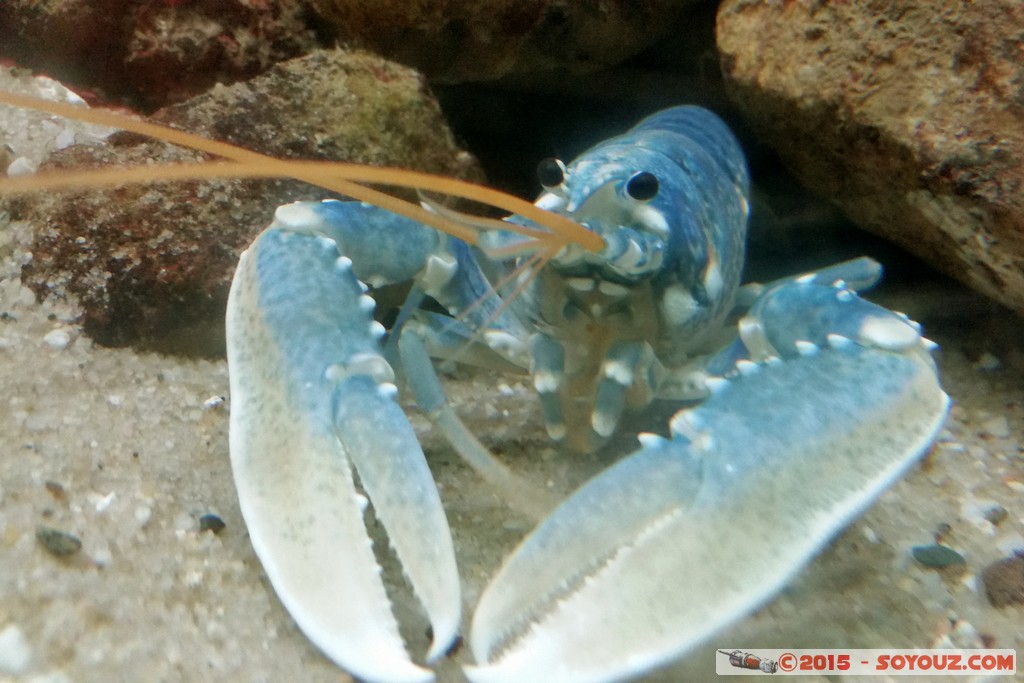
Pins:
x: 798, y: 403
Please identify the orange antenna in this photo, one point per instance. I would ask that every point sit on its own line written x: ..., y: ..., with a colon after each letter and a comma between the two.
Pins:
x: 339, y: 177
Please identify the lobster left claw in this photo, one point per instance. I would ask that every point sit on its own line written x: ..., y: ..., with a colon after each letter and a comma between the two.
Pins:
x: 312, y: 408
x: 690, y: 533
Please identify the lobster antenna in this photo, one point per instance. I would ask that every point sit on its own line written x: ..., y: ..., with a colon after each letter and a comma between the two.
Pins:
x: 531, y: 266
x: 338, y: 177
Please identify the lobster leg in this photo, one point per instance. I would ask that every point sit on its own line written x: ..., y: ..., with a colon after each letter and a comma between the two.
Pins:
x: 313, y: 407
x: 430, y: 397
x: 690, y: 533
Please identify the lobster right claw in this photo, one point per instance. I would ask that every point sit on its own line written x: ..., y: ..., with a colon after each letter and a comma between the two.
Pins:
x: 690, y: 533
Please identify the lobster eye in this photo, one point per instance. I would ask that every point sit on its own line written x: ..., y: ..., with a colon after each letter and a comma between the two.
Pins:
x: 642, y: 186
x: 551, y: 173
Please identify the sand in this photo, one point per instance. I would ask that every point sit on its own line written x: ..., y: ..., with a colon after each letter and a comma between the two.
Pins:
x: 127, y: 451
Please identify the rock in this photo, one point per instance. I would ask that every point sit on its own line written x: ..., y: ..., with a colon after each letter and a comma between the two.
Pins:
x: 997, y: 427
x: 57, y: 339
x: 58, y: 543
x: 211, y: 522
x: 28, y: 136
x: 15, y: 652
x: 937, y: 556
x: 996, y: 514
x: 56, y: 489
x: 908, y: 116
x: 151, y: 265
x: 153, y: 52
x: 1004, y: 581
x: 471, y: 40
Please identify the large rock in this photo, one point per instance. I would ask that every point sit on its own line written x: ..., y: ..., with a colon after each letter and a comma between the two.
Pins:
x: 153, y: 53
x: 535, y: 40
x: 151, y: 265
x: 910, y: 116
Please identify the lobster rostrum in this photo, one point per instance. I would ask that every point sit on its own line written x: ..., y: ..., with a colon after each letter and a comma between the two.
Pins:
x: 798, y: 403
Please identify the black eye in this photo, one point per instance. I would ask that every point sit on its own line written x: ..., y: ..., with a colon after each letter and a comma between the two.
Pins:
x: 642, y: 186
x: 551, y: 173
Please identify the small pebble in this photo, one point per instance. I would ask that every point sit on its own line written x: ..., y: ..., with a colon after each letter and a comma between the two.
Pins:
x: 514, y: 525
x: 998, y: 427
x: 211, y: 522
x: 937, y: 556
x: 57, y: 542
x: 988, y: 362
x: 996, y: 514
x: 1004, y: 581
x: 57, y: 339
x: 102, y: 503
x: 26, y: 297
x: 56, y: 490
x: 1011, y: 544
x: 142, y: 515
x: 15, y: 652
x: 213, y: 402
x: 21, y: 166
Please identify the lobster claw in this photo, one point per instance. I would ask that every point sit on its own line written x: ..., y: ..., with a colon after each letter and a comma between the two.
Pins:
x: 312, y: 408
x: 690, y: 533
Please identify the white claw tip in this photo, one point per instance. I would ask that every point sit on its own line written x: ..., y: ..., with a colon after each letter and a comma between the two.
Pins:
x: 343, y: 263
x: 296, y: 216
x: 838, y: 341
x: 686, y: 423
x: 888, y: 332
x: 619, y: 372
x: 546, y: 382
x: 377, y: 330
x: 649, y: 440
x: 716, y: 384
x: 387, y: 390
x: 806, y: 348
x: 366, y: 303
x: 603, y: 424
x: 928, y: 344
x: 747, y: 367
x: 556, y: 430
x: 612, y: 289
x: 581, y: 284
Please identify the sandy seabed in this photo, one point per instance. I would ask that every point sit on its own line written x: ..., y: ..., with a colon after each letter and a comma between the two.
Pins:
x: 127, y: 450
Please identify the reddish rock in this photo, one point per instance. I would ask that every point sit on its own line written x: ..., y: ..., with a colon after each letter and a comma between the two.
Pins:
x: 909, y: 116
x: 162, y: 51
x: 1004, y: 581
x: 153, y: 52
x: 151, y: 265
